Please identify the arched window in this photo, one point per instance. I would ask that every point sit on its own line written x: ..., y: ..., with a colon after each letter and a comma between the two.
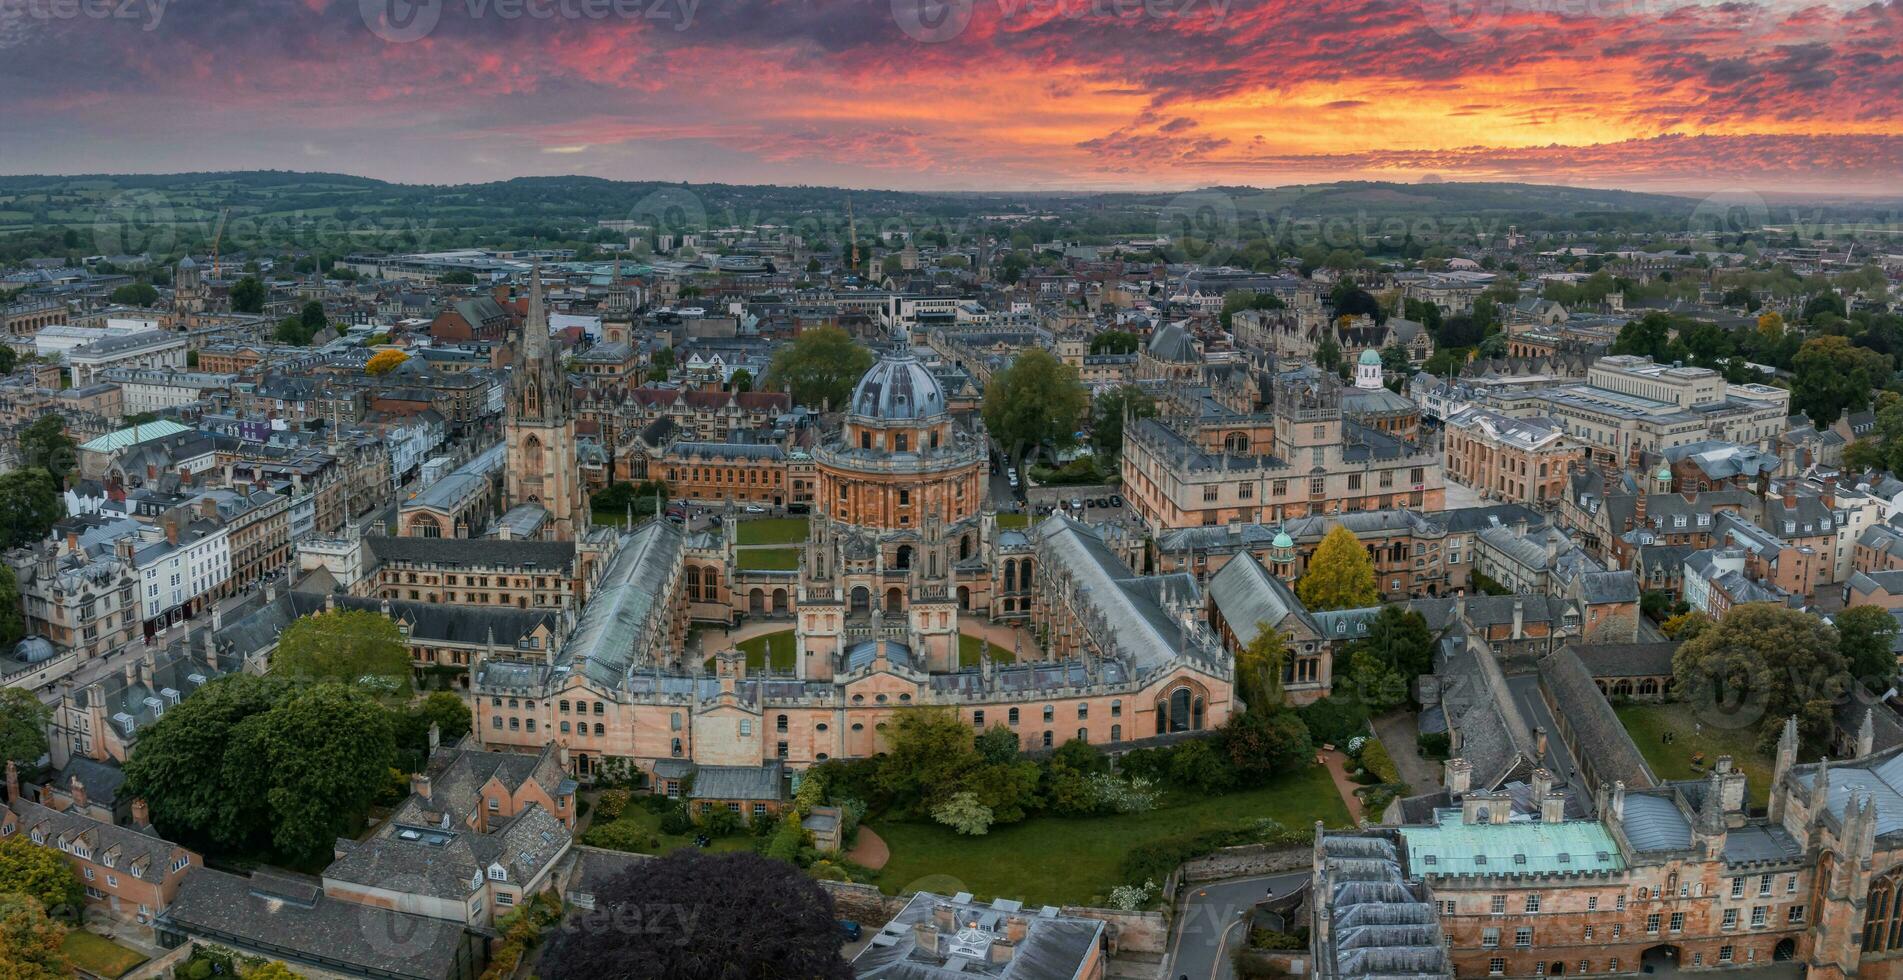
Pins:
x: 1010, y: 576
x: 1883, y: 923
x: 1116, y: 733
x: 1179, y: 710
x: 1014, y: 716
x: 693, y: 583
x: 1024, y: 575
x: 964, y: 547
x: 532, y: 455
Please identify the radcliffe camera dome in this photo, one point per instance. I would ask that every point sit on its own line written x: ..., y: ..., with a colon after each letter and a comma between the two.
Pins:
x: 898, y: 388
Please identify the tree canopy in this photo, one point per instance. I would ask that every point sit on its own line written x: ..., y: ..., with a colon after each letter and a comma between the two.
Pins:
x: 45, y: 445
x: 254, y: 764
x: 1106, y: 426
x: 135, y: 294
x: 1036, y: 401
x: 42, y: 873
x: 30, y: 503
x: 247, y: 295
x: 694, y: 915
x: 1864, y: 634
x: 1760, y: 664
x: 23, y: 721
x: 820, y: 367
x: 384, y: 361
x: 1833, y: 376
x: 1339, y: 576
x: 346, y: 646
x: 32, y: 944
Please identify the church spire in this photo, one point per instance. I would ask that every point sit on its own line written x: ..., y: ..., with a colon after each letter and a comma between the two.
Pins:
x: 535, y: 329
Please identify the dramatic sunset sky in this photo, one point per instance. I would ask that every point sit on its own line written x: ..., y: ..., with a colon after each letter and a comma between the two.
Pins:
x: 995, y: 94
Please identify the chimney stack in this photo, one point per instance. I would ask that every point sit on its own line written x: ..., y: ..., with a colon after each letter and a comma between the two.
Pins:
x: 1458, y: 775
x: 78, y: 789
x: 141, y: 813
x: 1553, y: 808
x: 1542, y: 777
x: 420, y: 784
x: 13, y: 782
x: 926, y: 935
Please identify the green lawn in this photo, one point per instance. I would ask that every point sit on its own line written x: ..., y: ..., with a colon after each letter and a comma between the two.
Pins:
x: 772, y: 530
x: 98, y: 955
x: 1646, y: 723
x: 1060, y: 861
x: 1010, y: 521
x: 969, y: 647
x: 644, y: 825
x: 767, y: 559
x: 778, y: 646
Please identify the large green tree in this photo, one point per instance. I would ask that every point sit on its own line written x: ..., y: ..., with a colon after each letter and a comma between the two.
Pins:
x: 30, y: 503
x: 1760, y: 664
x: 1036, y: 401
x: 1106, y: 426
x: 1339, y: 576
x: 254, y: 764
x: 1259, y: 667
x: 928, y: 753
x: 23, y: 722
x: 135, y: 294
x: 1832, y: 376
x: 820, y: 367
x: 45, y: 445
x: 247, y: 295
x: 346, y: 646
x: 325, y: 754
x: 1864, y: 635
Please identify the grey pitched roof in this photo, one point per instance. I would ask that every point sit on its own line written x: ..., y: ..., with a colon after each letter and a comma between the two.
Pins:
x: 480, y: 552
x: 1597, y: 738
x: 1627, y: 659
x: 292, y: 917
x: 623, y: 612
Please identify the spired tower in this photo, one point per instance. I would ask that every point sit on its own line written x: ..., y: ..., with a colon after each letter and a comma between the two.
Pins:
x: 540, y: 429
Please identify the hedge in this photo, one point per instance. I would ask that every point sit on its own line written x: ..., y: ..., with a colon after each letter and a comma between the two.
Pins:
x: 1374, y: 758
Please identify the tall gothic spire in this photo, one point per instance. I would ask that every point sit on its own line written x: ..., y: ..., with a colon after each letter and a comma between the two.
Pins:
x: 535, y: 328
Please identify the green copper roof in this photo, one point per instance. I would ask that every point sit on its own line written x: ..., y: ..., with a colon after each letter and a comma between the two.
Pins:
x: 139, y: 434
x: 1451, y: 847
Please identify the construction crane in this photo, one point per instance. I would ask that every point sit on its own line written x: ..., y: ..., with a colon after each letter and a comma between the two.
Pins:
x: 852, y: 233
x: 217, y: 234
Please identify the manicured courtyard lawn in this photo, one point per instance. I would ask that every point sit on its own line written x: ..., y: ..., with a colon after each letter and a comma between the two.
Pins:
x: 644, y: 825
x: 1010, y: 521
x: 767, y: 559
x: 1647, y: 724
x: 969, y: 647
x: 98, y: 955
x: 779, y: 647
x: 1059, y: 861
x: 772, y: 530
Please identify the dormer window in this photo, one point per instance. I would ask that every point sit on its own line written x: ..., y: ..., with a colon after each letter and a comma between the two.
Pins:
x: 498, y: 873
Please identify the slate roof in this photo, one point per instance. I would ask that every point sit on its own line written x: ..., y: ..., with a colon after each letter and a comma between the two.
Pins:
x: 762, y: 783
x: 1653, y: 822
x: 1598, y: 740
x: 1627, y: 659
x: 137, y: 851
x: 287, y: 916
x: 554, y: 556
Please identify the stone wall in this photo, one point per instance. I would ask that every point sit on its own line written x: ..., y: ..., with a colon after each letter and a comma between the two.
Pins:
x: 863, y: 904
x: 1130, y: 932
x: 1247, y: 860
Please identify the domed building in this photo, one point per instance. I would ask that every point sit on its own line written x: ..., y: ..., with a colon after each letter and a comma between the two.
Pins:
x: 898, y: 498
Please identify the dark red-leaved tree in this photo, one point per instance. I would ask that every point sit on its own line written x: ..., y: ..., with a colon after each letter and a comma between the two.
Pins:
x: 699, y: 916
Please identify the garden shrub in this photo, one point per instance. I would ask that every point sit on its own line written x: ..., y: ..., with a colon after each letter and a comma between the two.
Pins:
x: 1375, y: 759
x: 1334, y: 720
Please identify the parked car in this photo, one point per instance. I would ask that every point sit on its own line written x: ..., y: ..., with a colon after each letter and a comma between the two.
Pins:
x: 850, y: 930
x: 755, y: 509
x: 1116, y: 500
x: 1077, y: 504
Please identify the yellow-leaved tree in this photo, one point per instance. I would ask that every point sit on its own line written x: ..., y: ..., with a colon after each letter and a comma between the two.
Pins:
x: 1339, y: 576
x: 384, y: 361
